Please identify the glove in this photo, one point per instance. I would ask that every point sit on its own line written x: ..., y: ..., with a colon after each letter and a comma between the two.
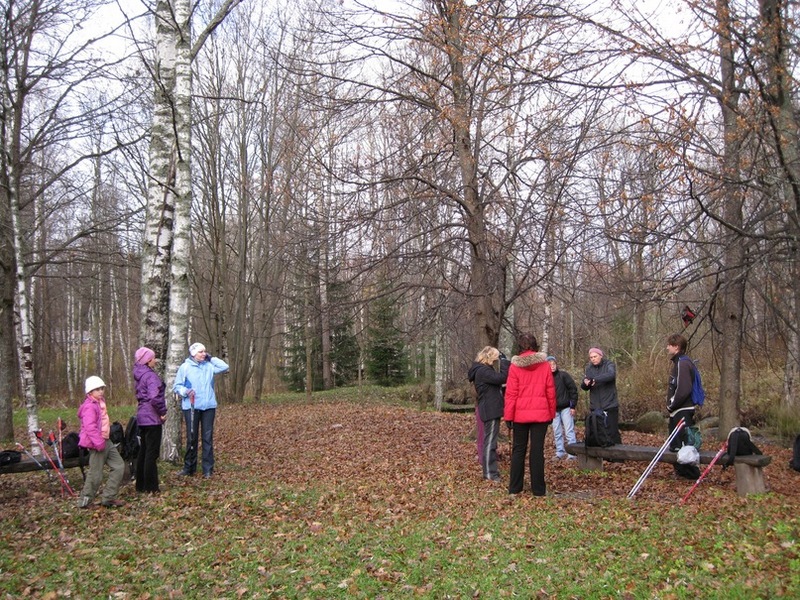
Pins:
x: 503, y: 356
x: 208, y: 358
x: 510, y: 424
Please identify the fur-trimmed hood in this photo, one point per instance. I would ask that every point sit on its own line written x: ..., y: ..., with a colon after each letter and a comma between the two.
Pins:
x: 524, y: 361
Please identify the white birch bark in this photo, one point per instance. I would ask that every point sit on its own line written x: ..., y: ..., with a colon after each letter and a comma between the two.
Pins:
x: 24, y: 325
x: 167, y: 244
x: 439, y: 370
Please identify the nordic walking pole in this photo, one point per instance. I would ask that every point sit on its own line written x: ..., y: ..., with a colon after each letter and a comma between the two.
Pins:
x: 722, y: 451
x: 64, y: 483
x: 191, y: 415
x: 57, y: 449
x: 656, y: 458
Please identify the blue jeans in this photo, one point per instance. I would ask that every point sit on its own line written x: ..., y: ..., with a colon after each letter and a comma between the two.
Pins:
x: 563, y: 423
x: 203, y: 426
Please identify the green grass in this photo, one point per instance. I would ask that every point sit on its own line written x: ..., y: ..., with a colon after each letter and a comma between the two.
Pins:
x: 261, y: 543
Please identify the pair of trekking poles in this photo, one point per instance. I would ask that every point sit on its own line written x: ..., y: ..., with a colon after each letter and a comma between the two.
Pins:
x: 51, y: 440
x: 675, y: 432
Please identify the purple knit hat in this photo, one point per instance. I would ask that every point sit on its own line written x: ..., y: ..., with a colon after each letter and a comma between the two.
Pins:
x: 596, y: 351
x: 144, y: 355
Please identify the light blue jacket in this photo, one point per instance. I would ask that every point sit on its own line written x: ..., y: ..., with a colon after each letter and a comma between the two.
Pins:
x: 198, y: 376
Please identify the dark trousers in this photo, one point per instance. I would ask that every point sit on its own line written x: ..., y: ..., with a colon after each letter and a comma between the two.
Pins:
x: 683, y: 471
x: 202, y: 427
x: 147, y: 461
x: 522, y: 433
x: 489, y: 449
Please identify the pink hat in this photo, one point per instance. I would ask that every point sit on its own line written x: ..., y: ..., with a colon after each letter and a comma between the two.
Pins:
x: 596, y: 351
x: 144, y: 355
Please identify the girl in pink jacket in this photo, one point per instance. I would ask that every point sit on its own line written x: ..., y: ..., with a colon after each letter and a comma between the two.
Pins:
x: 95, y: 430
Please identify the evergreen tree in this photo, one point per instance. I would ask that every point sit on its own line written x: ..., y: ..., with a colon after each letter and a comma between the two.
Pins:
x: 386, y: 357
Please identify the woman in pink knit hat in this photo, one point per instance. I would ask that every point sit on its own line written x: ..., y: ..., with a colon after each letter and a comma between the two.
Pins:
x: 150, y: 415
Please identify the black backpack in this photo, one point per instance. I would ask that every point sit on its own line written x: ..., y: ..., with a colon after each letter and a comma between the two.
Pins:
x: 69, y: 445
x: 597, y: 432
x: 130, y: 445
x: 117, y: 434
x: 9, y: 457
x: 795, y: 462
x: 739, y: 444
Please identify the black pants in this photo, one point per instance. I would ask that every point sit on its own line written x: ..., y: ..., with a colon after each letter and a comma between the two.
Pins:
x: 147, y: 461
x: 522, y: 433
x: 683, y: 471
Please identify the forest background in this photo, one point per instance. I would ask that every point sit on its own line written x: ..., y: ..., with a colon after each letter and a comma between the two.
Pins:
x: 327, y: 192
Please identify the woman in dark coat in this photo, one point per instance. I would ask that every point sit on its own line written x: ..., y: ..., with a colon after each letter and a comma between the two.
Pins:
x: 600, y: 380
x: 488, y: 383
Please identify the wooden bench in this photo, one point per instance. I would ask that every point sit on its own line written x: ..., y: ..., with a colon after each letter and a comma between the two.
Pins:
x: 26, y: 464
x: 749, y: 469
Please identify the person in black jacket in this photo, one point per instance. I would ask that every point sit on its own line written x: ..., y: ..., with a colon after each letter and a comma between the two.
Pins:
x: 489, y: 385
x: 566, y: 400
x: 679, y: 400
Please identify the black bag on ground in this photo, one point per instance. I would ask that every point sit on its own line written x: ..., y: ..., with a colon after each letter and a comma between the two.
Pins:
x: 9, y: 457
x: 739, y: 444
x: 795, y: 462
x: 597, y: 432
x: 130, y: 445
x: 69, y: 445
x: 116, y: 434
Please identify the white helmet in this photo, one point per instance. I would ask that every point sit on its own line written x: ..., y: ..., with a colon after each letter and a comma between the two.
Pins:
x: 94, y: 382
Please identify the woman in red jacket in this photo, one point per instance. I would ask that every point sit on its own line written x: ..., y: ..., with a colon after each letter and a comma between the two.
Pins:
x: 529, y: 410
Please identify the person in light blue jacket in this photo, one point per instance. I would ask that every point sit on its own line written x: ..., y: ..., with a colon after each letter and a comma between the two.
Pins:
x: 194, y: 382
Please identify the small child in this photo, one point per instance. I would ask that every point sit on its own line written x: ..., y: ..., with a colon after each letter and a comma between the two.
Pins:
x: 95, y: 430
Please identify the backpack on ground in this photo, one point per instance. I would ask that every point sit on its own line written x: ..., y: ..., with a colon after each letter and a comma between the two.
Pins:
x: 597, y: 432
x: 130, y: 445
x: 740, y: 444
x: 9, y: 457
x: 70, y: 448
x: 795, y: 462
x: 117, y: 434
x: 69, y: 445
x: 698, y: 392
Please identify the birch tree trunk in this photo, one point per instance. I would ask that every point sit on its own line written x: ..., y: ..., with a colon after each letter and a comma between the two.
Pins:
x: 440, y: 346
x: 24, y: 325
x: 167, y: 245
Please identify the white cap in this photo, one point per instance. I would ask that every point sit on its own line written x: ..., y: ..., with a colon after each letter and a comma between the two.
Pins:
x: 195, y: 348
x: 94, y: 382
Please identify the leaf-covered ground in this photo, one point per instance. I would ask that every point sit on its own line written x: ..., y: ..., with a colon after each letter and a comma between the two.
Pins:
x: 338, y: 499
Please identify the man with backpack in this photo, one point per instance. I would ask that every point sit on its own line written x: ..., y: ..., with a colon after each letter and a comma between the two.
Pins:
x: 680, y: 403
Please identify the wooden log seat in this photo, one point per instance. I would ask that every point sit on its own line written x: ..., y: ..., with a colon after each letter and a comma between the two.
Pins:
x: 749, y: 469
x: 26, y: 464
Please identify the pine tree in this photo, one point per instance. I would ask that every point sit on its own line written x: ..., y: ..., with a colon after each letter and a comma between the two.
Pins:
x: 386, y: 357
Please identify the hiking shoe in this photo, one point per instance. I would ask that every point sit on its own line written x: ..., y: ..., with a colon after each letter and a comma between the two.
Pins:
x: 113, y: 503
x: 184, y: 473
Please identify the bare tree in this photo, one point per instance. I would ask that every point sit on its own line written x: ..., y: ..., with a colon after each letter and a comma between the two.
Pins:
x: 39, y: 133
